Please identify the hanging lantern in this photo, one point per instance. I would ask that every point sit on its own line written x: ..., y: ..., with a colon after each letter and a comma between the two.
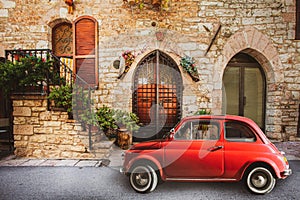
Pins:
x: 70, y: 3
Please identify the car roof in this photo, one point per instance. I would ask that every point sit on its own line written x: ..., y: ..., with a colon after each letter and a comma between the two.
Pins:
x: 219, y: 117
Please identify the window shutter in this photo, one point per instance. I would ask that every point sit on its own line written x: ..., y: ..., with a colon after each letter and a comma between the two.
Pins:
x: 85, y: 44
x: 297, y: 37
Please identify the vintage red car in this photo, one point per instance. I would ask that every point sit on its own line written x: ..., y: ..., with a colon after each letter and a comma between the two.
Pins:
x: 208, y: 148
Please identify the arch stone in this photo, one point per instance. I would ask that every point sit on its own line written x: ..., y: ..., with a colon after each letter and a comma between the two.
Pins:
x: 251, y: 41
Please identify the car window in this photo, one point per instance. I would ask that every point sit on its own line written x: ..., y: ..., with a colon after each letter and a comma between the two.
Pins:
x: 238, y: 132
x: 198, y: 130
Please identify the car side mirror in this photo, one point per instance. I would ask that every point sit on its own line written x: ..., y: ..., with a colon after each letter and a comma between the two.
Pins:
x: 171, y: 135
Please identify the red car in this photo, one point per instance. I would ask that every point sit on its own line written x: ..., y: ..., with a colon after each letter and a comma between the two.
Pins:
x: 208, y: 148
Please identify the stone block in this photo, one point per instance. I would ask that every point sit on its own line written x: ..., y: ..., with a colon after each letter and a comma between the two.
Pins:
x: 65, y: 140
x: 39, y: 109
x: 51, y: 124
x: 84, y: 155
x: 38, y: 138
x: 60, y: 132
x: 52, y: 154
x: 21, y: 152
x: 18, y: 144
x: 19, y: 120
x: 17, y: 103
x: 66, y: 154
x: 32, y: 103
x: 3, y: 13
x: 37, y: 153
x: 22, y: 111
x: 8, y: 4
x: 17, y: 137
x: 78, y: 148
x: 52, y: 139
x: 23, y: 129
x: 43, y: 130
x: 45, y: 115
x: 67, y: 126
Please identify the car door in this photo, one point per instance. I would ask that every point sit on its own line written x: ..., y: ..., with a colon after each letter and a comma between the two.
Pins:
x: 241, y: 145
x: 196, y: 151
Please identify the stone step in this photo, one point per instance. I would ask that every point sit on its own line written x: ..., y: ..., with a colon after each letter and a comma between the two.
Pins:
x: 102, y: 145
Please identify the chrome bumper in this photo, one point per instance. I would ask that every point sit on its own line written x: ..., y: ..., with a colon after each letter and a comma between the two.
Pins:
x: 287, y: 172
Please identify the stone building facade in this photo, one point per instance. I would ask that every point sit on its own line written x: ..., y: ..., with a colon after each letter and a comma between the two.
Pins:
x: 217, y: 34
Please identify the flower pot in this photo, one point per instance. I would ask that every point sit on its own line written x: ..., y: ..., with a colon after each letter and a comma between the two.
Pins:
x: 194, y: 76
x: 124, y: 138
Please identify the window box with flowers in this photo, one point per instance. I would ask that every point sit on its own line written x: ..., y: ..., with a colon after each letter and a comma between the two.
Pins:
x: 189, y: 66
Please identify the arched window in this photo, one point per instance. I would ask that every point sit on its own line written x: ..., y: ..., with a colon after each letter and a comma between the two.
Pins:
x: 157, y: 95
x: 62, y: 40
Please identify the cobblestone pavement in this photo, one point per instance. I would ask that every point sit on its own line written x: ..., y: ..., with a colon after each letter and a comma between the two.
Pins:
x: 292, y: 150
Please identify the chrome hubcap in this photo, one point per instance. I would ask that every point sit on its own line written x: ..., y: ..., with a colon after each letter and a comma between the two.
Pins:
x: 259, y: 181
x: 141, y: 179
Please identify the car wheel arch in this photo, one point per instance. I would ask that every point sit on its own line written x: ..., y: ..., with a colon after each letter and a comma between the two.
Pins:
x: 259, y: 164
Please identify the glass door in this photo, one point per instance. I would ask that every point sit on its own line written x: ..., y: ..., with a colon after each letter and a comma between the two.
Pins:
x: 244, y: 89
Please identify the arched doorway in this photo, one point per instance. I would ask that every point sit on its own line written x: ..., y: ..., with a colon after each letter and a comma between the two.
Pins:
x: 157, y: 96
x: 244, y: 91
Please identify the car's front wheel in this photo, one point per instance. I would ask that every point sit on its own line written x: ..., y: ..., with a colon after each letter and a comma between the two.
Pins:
x: 260, y: 180
x: 143, y: 178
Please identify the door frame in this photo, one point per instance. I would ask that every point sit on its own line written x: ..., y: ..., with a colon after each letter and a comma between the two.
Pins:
x: 252, y: 64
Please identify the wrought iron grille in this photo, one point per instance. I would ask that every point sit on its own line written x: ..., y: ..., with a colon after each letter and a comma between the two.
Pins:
x: 157, y: 96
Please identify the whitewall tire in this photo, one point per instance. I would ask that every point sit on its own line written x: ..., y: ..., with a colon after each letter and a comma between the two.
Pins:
x: 260, y: 180
x: 143, y: 179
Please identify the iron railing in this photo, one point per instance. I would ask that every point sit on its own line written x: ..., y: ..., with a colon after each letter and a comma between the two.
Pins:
x: 82, y: 92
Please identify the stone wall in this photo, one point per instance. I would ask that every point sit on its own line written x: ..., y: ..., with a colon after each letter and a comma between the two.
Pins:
x: 39, y: 133
x: 264, y: 29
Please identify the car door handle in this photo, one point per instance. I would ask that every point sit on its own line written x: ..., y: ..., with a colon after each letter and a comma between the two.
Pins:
x: 215, y: 148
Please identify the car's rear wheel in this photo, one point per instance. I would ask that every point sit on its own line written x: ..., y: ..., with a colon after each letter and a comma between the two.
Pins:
x: 143, y: 178
x: 260, y: 180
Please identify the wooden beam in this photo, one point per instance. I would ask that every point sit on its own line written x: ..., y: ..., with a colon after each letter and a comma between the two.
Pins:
x: 213, y: 39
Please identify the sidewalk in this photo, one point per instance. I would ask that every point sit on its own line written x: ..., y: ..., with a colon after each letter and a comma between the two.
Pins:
x: 292, y: 150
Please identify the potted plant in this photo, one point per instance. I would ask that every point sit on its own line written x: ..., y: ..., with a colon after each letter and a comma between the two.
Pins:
x: 126, y: 120
x: 62, y: 97
x: 25, y: 74
x: 127, y: 123
x: 106, y: 121
x: 90, y: 119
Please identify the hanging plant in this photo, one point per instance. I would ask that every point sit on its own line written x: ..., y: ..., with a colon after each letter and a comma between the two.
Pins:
x: 129, y: 57
x: 189, y: 66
